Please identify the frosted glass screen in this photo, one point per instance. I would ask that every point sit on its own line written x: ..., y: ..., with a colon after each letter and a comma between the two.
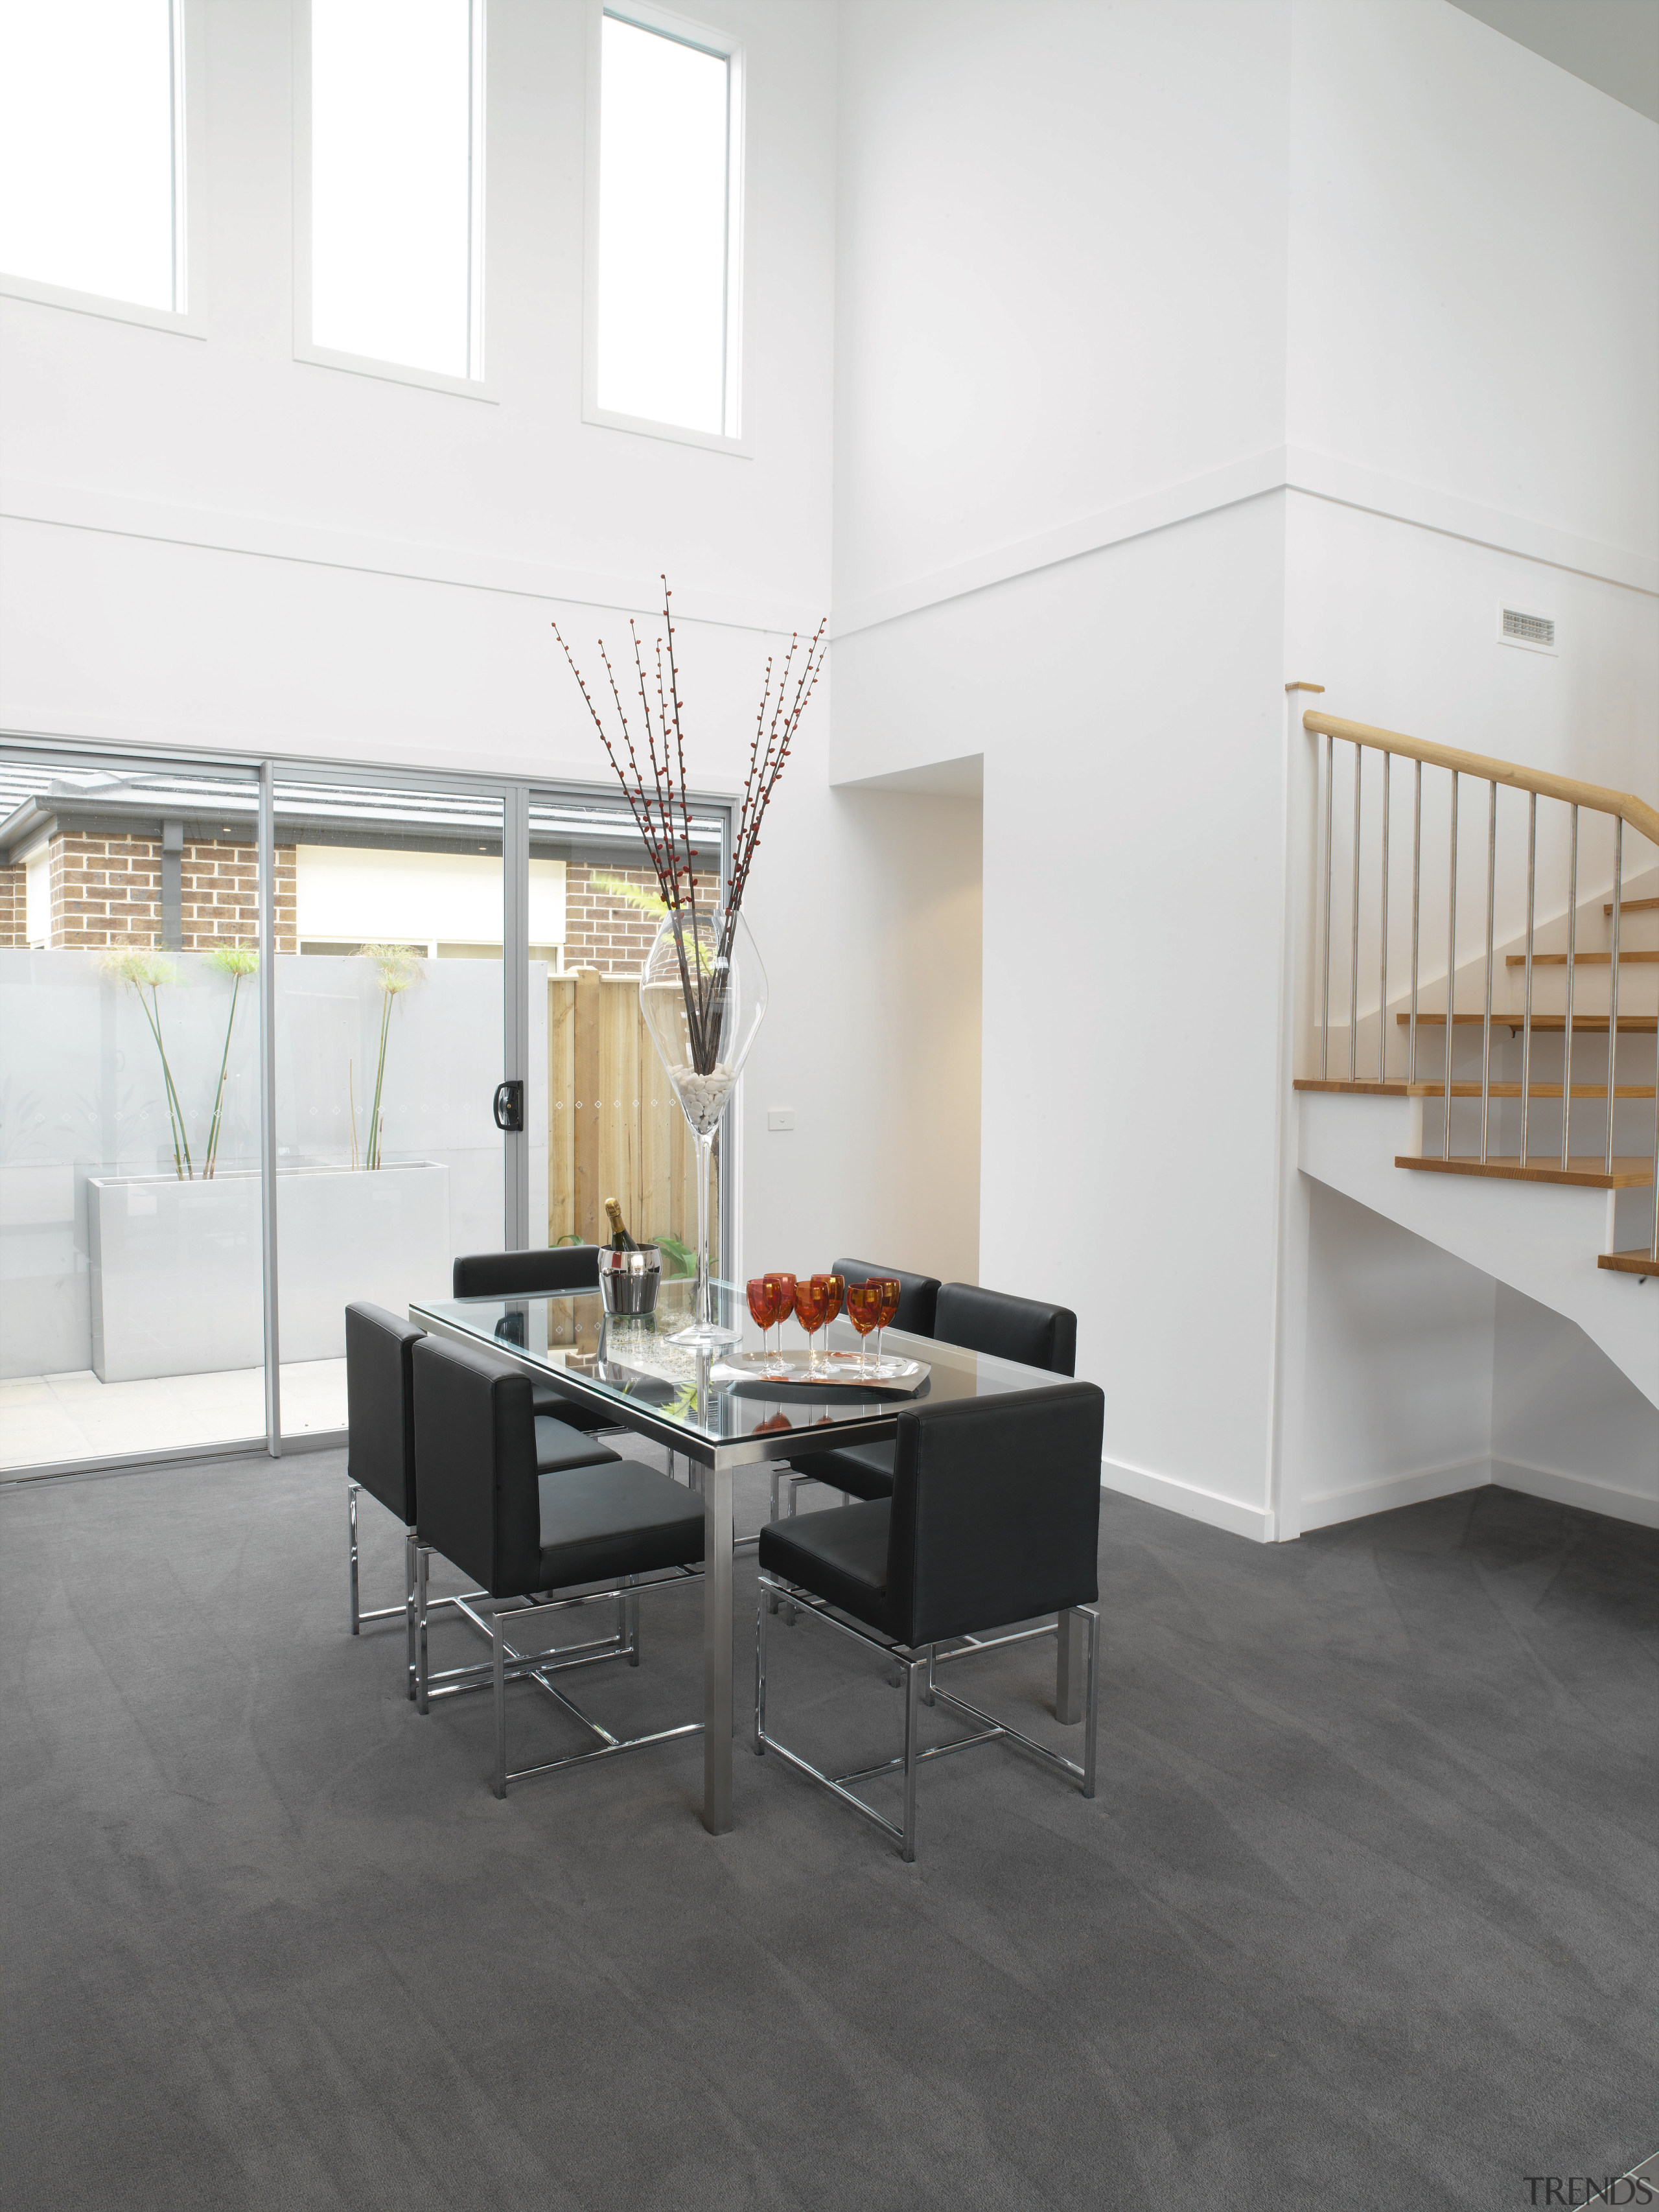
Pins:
x: 663, y: 228
x: 392, y: 102
x: 86, y: 147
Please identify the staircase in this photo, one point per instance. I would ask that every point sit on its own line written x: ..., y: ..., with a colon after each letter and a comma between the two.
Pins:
x: 1510, y: 1114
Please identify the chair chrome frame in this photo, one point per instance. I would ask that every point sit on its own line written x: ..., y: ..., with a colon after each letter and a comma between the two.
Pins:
x: 506, y: 1663
x: 405, y: 1612
x: 916, y: 1667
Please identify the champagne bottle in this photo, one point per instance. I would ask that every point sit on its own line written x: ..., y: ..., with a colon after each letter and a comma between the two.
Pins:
x: 620, y: 1239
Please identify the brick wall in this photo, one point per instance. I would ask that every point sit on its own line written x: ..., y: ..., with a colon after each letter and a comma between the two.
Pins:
x: 12, y: 909
x: 604, y: 932
x: 108, y: 891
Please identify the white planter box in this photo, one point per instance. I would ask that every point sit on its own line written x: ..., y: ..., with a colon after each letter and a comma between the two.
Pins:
x: 176, y: 1269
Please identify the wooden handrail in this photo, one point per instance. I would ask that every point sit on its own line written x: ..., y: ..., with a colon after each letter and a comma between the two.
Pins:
x: 1625, y: 805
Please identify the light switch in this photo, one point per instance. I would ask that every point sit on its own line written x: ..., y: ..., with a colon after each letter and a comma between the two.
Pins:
x: 780, y: 1117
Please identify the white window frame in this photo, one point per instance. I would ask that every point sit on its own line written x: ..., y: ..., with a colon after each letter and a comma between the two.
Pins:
x: 392, y: 372
x: 707, y: 40
x: 189, y: 202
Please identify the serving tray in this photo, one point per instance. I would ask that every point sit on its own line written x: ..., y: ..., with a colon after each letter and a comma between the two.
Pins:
x: 838, y: 1372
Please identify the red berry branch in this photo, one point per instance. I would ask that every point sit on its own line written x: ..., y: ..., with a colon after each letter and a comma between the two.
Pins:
x: 661, y: 804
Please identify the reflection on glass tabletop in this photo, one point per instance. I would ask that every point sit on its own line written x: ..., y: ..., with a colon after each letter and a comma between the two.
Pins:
x: 632, y: 1361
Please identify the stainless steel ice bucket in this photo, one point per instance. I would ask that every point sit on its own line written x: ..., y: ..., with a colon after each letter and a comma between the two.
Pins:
x: 628, y: 1280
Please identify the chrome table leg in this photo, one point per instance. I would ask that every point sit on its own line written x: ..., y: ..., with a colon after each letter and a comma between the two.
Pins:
x: 717, y: 1649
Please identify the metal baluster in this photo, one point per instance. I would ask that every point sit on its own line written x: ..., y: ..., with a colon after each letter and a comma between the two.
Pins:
x: 1353, y: 926
x: 1325, y: 1017
x: 1382, y: 978
x: 1451, y: 968
x: 1572, y: 948
x: 1492, y: 895
x: 1417, y: 885
x: 1613, y: 994
x: 1526, y: 1018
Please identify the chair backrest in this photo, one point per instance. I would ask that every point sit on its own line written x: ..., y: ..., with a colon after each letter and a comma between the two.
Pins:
x: 478, y: 1499
x: 380, y: 1406
x: 996, y: 1511
x: 1024, y: 1329
x: 543, y: 1272
x: 917, y: 1293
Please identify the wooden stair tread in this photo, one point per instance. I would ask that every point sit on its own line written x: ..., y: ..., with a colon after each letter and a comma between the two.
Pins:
x: 1362, y: 1086
x: 1632, y: 906
x: 1579, y: 960
x: 1628, y: 1263
x: 1629, y: 1173
x: 1461, y: 1090
x: 1633, y: 1025
x: 1370, y: 1086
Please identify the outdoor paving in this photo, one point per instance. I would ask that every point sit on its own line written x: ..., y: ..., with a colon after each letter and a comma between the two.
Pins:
x: 46, y: 1419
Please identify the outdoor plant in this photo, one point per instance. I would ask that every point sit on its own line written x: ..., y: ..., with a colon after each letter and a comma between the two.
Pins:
x: 660, y: 803
x: 235, y: 961
x: 148, y: 971
x: 398, y: 968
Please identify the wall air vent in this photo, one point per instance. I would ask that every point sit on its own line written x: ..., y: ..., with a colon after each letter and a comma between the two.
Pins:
x: 1536, y: 632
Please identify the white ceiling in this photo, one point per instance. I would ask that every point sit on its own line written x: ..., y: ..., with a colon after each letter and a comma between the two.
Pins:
x: 1611, y: 43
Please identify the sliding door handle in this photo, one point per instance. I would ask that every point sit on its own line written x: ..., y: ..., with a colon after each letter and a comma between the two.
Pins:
x: 509, y: 1106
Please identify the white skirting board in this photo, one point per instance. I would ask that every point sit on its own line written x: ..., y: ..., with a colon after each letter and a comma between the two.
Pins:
x: 1413, y: 1489
x: 1577, y: 1489
x: 1187, y: 1499
x: 1562, y: 1489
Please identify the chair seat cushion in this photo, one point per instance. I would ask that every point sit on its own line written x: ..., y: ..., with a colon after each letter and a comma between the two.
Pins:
x: 559, y: 1449
x: 552, y: 1403
x: 600, y: 1522
x: 861, y: 1470
x: 841, y: 1555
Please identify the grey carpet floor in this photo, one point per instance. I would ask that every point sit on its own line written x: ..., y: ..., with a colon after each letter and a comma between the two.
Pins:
x: 1361, y: 1917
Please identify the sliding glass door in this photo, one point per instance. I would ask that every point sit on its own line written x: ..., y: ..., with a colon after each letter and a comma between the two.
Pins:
x: 130, y: 1283
x: 238, y: 1094
x: 388, y: 1052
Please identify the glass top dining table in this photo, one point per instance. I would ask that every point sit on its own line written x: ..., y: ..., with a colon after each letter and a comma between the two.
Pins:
x: 720, y: 1414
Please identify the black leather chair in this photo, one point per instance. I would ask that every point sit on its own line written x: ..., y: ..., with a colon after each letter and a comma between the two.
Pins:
x: 381, y: 1447
x: 918, y: 1294
x: 523, y: 1536
x: 1027, y: 1330
x: 542, y: 1272
x: 994, y: 1518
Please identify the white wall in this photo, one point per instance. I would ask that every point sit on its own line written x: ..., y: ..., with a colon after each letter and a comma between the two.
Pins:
x: 1400, y: 1348
x: 1566, y: 1423
x: 257, y: 446
x: 210, y: 543
x: 1178, y: 355
x: 1160, y: 329
x: 1425, y: 1376
x: 1062, y: 264
x: 1473, y: 238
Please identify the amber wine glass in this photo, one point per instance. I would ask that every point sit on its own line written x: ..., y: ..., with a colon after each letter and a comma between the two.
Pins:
x: 785, y: 1286
x: 811, y: 1310
x: 762, y: 1308
x: 891, y: 1290
x: 863, y: 1311
x: 835, y: 1291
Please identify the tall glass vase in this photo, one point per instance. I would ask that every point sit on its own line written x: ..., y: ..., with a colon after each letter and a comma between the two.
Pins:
x: 703, y: 992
